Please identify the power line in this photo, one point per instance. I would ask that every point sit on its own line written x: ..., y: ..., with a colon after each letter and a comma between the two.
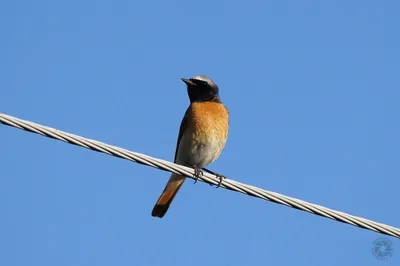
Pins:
x: 206, y: 177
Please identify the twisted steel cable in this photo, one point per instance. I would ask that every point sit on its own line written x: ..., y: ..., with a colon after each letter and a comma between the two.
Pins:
x: 206, y: 177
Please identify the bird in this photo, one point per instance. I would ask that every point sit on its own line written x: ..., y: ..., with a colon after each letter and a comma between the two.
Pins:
x: 203, y: 134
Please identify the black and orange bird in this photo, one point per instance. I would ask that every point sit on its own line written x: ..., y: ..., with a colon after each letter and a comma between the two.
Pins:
x: 202, y: 136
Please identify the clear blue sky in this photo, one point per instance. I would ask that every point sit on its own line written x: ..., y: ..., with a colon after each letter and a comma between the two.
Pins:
x: 313, y: 91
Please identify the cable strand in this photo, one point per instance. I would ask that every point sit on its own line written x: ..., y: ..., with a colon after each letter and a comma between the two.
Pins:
x: 206, y: 177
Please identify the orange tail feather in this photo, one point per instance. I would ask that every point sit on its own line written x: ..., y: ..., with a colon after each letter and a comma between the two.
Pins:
x: 168, y: 195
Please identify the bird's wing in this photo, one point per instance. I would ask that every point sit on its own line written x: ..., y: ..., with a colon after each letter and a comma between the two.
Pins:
x: 182, y: 129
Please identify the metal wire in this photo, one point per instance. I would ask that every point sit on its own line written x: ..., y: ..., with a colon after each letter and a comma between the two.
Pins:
x: 206, y: 177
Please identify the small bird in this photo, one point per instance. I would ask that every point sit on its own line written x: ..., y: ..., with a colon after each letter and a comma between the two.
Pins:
x: 202, y: 136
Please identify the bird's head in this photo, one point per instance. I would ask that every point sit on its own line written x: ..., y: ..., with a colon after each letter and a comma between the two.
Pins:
x: 202, y: 89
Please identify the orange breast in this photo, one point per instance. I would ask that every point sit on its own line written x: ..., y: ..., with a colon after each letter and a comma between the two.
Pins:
x: 209, y: 122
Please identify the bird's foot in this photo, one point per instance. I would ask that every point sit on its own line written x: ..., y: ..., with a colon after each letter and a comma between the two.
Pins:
x: 220, y: 177
x: 197, y: 174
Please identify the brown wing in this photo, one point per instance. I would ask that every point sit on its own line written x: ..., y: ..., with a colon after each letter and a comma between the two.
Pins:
x: 181, y: 131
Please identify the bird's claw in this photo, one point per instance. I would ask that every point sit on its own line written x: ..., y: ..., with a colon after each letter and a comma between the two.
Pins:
x: 221, y: 177
x: 197, y: 174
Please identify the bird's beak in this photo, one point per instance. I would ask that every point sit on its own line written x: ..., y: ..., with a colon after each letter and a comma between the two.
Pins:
x: 187, y: 81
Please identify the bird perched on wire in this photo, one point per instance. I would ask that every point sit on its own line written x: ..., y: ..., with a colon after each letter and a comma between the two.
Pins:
x: 202, y: 136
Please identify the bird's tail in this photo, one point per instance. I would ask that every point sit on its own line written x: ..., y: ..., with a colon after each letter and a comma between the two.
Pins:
x: 164, y: 201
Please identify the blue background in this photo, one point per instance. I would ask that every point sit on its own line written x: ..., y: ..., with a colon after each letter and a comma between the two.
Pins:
x: 313, y: 91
